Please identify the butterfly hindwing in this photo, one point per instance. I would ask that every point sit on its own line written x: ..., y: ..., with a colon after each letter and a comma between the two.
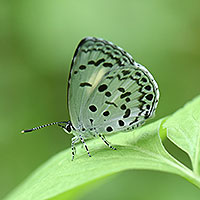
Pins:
x: 127, y: 100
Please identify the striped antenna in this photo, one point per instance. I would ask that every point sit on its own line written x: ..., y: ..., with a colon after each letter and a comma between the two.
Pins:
x: 43, y: 126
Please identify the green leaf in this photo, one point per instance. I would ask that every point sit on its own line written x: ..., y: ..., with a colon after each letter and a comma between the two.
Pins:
x: 184, y: 130
x: 140, y: 149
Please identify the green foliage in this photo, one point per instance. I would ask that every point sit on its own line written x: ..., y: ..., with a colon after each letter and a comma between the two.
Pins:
x: 139, y: 149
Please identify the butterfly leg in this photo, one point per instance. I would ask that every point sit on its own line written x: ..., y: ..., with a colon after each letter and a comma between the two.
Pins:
x: 74, y: 141
x: 105, y: 141
x: 82, y: 140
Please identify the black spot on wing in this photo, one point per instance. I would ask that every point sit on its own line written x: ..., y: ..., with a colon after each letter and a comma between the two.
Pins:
x: 109, y: 129
x: 109, y: 77
x: 123, y: 107
x: 97, y: 63
x: 85, y: 84
x: 111, y: 103
x: 144, y: 80
x: 108, y: 94
x: 148, y: 106
x: 93, y: 108
x: 108, y: 48
x: 148, y: 87
x: 125, y: 95
x: 127, y: 99
x: 106, y: 113
x: 102, y: 87
x: 91, y: 62
x: 149, y: 97
x: 121, y: 90
x: 116, y: 53
x: 107, y: 64
x: 126, y: 72
x: 138, y: 74
x: 127, y: 113
x: 121, y: 122
x: 82, y: 67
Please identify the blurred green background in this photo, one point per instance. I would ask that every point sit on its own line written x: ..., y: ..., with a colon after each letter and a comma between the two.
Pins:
x: 37, y: 42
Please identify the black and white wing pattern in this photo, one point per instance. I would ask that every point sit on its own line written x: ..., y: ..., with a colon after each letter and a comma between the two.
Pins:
x: 107, y: 89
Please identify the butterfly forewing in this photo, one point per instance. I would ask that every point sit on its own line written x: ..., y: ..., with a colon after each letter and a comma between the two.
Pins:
x: 92, y: 60
x: 107, y: 90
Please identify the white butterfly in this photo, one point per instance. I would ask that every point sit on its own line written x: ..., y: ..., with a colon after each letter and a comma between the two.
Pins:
x: 108, y: 92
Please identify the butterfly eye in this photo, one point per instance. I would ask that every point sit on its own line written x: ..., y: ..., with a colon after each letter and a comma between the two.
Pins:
x: 68, y: 127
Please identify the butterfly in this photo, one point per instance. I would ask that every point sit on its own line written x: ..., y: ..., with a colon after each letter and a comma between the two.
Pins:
x: 108, y: 92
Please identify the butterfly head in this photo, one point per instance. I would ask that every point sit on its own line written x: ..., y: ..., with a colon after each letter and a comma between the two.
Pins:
x: 67, y: 127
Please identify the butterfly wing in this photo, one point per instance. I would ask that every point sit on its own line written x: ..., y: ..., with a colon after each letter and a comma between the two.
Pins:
x: 93, y: 58
x: 107, y: 89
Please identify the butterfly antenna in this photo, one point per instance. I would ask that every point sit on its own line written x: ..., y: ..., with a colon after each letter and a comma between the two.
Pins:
x: 42, y: 126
